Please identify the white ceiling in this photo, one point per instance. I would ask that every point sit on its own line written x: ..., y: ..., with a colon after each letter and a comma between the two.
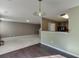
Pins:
x: 21, y: 10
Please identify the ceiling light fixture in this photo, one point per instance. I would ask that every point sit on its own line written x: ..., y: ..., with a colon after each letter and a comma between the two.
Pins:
x: 39, y: 12
x: 27, y: 21
x: 64, y: 15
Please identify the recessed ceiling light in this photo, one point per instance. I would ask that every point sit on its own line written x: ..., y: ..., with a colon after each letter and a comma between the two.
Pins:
x: 64, y: 15
x: 27, y: 21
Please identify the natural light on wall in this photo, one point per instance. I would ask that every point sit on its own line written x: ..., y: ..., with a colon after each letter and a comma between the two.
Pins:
x: 5, y: 19
x: 2, y: 19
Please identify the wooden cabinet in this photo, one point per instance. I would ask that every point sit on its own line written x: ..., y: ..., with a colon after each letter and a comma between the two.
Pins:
x: 60, y: 26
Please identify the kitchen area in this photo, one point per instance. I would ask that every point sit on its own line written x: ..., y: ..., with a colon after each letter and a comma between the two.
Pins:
x: 54, y: 33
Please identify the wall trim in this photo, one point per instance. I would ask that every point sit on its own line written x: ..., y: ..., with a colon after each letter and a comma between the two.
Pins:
x: 60, y: 49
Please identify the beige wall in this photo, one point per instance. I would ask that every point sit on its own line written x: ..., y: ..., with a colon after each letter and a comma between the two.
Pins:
x: 11, y: 29
x: 67, y: 42
x: 73, y: 42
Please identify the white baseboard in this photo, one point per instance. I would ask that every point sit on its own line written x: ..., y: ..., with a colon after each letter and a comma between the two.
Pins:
x: 60, y: 50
